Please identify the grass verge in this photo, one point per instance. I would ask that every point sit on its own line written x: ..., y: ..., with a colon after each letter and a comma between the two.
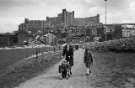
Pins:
x: 113, y: 70
x: 32, y: 68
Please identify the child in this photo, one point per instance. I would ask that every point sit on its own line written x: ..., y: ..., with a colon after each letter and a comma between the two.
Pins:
x: 88, y: 60
x: 64, y: 69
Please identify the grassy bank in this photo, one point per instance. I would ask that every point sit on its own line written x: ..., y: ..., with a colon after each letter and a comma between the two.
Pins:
x: 114, y: 63
x: 113, y: 70
x: 31, y: 68
x: 118, y: 45
x: 11, y: 56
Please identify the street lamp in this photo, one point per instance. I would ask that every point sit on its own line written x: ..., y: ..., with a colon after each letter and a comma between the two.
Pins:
x: 105, y: 11
x: 52, y: 36
x: 105, y: 18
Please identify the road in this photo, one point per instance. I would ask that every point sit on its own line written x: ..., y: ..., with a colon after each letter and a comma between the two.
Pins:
x: 52, y: 79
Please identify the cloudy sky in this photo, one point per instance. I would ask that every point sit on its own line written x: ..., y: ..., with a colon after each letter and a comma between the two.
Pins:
x: 13, y: 12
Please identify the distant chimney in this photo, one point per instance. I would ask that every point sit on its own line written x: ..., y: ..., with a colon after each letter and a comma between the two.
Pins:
x: 73, y: 12
x: 26, y: 20
x: 47, y: 18
x: 98, y: 18
x: 64, y: 10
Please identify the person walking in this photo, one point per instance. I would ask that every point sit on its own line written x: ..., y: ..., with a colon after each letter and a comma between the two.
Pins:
x: 68, y: 54
x: 88, y: 60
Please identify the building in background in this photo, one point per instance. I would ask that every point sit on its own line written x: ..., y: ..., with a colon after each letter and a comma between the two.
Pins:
x: 121, y: 30
x: 128, y: 30
x: 34, y: 26
x: 8, y: 39
x: 24, y: 37
x: 87, y: 21
x: 65, y: 18
x: 49, y: 39
x: 113, y: 31
x: 65, y: 26
x: 64, y: 22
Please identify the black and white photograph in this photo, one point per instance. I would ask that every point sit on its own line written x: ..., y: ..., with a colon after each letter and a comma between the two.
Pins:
x: 67, y: 43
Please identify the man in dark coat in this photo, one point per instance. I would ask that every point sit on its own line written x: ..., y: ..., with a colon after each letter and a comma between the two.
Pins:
x: 68, y: 53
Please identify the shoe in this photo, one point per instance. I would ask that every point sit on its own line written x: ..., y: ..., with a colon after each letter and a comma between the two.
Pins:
x: 70, y: 73
x: 67, y: 77
x: 89, y: 71
x: 87, y: 74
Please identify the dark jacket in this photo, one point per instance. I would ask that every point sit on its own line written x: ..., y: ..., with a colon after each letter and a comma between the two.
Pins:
x: 68, y: 53
x: 88, y: 60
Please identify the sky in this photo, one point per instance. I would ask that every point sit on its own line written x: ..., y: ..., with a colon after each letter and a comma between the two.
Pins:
x: 13, y: 12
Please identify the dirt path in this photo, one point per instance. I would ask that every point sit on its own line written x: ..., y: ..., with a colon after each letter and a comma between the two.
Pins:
x: 110, y: 70
x: 51, y: 79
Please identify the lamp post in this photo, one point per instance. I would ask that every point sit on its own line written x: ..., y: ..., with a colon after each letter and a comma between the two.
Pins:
x: 105, y: 11
x: 52, y: 36
x: 43, y: 28
x: 105, y: 18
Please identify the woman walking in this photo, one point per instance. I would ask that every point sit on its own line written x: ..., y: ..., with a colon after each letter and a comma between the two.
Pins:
x: 68, y: 52
x: 88, y: 60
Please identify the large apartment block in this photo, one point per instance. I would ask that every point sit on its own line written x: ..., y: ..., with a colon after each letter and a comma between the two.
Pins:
x: 63, y: 19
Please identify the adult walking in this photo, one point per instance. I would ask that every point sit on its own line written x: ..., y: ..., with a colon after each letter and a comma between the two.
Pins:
x: 68, y: 54
x: 88, y: 60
